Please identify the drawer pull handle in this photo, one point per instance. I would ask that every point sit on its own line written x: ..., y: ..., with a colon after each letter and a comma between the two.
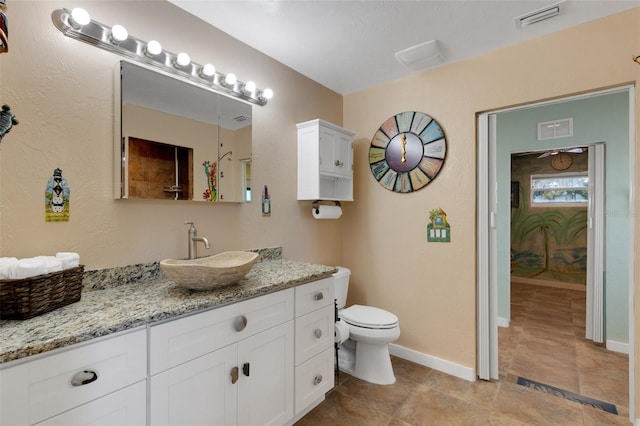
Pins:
x: 318, y: 296
x: 317, y: 380
x: 84, y: 378
x: 318, y: 333
x: 234, y: 375
x: 245, y: 369
x: 339, y: 163
x: 240, y: 323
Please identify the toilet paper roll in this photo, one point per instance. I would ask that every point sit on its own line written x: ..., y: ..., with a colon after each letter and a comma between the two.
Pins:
x: 327, y: 212
x: 341, y: 331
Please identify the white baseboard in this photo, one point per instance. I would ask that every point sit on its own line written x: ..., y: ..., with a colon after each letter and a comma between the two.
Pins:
x: 503, y: 322
x: 614, y: 346
x: 457, y: 370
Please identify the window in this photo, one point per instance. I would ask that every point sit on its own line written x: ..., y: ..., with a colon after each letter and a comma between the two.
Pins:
x: 566, y: 189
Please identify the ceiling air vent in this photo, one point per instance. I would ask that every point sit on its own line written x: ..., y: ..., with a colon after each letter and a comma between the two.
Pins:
x: 555, y: 129
x: 537, y: 16
x: 421, y: 56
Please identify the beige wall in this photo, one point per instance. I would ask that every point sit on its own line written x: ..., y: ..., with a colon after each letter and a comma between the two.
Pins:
x: 432, y: 286
x: 62, y: 92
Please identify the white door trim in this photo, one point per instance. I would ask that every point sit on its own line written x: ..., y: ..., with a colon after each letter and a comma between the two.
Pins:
x: 487, y: 315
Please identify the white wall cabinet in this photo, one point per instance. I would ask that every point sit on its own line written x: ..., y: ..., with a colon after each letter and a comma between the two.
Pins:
x: 40, y: 390
x: 325, y: 162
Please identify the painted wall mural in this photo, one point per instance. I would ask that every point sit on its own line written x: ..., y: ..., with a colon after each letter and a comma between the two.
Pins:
x: 547, y: 243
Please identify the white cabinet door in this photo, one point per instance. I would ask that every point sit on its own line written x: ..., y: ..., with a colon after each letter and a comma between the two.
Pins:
x: 265, y: 392
x: 199, y: 392
x: 126, y: 407
x: 335, y: 152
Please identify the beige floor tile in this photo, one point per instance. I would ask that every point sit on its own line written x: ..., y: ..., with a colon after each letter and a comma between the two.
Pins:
x: 384, y: 398
x: 427, y: 406
x: 339, y: 409
x: 410, y: 370
x: 531, y: 407
x: 479, y: 392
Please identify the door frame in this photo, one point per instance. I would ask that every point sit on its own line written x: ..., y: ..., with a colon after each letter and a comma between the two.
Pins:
x: 487, y: 318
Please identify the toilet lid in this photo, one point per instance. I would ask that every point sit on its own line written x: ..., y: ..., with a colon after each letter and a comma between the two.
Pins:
x: 368, y: 317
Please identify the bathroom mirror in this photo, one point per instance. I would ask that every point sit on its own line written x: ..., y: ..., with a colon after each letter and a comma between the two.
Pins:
x: 180, y: 141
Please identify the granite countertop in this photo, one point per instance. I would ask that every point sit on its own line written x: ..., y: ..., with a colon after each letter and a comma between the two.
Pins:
x: 104, y: 310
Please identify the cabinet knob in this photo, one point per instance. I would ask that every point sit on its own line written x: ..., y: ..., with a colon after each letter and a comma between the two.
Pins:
x: 318, y: 333
x: 318, y: 296
x: 84, y: 378
x: 317, y: 380
x: 240, y: 323
x: 234, y: 375
x: 339, y: 163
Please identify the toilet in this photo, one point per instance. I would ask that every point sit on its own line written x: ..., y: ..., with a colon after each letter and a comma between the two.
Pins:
x: 365, y: 354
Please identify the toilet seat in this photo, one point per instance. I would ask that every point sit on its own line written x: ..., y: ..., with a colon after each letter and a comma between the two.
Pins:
x: 368, y: 317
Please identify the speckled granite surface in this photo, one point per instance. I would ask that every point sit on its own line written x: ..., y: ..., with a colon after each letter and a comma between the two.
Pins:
x: 146, y: 298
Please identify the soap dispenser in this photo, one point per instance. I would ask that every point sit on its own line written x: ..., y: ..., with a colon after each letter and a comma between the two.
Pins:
x: 266, y: 202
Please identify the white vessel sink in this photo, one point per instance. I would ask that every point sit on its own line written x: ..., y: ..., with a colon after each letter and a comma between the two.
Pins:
x: 209, y: 272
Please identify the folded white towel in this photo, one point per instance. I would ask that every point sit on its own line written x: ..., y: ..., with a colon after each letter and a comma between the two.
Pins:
x: 51, y: 263
x: 30, y: 267
x: 68, y: 259
x: 7, y: 267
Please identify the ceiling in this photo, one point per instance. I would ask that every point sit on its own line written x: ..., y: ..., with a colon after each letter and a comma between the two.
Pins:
x: 350, y: 45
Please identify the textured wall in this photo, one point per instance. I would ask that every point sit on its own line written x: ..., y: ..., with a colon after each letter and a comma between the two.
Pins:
x: 62, y: 92
x: 432, y: 286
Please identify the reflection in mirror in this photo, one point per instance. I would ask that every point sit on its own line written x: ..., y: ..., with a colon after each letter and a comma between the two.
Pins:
x: 179, y: 141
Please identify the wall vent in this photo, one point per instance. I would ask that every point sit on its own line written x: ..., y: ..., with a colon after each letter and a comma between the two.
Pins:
x: 555, y: 129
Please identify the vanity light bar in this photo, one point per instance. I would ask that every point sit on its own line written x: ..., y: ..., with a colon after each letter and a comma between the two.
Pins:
x: 78, y: 25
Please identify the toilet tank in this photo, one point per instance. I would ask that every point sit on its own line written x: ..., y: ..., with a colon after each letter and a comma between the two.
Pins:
x: 341, y: 285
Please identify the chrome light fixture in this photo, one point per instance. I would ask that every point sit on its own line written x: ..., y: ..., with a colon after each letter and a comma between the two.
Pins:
x: 78, y: 24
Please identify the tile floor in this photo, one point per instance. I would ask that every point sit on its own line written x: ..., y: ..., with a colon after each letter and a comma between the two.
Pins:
x: 545, y: 343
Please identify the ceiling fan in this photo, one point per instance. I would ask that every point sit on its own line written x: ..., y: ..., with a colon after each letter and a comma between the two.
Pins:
x: 575, y: 150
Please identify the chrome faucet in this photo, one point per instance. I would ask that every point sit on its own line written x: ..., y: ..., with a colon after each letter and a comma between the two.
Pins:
x: 193, y: 239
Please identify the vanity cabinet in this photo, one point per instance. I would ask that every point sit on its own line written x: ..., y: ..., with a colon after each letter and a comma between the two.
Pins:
x: 231, y: 365
x: 265, y: 360
x: 325, y: 162
x: 102, y: 382
x: 314, y: 343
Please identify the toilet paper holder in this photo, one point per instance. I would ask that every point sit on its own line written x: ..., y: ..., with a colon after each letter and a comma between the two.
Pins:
x: 316, y: 205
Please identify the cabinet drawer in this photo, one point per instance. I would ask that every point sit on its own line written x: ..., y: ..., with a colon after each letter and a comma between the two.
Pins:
x: 126, y: 407
x: 39, y: 389
x: 314, y: 333
x: 178, y: 341
x: 313, y: 296
x: 314, y: 378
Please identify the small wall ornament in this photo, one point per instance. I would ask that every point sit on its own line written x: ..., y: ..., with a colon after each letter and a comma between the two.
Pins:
x: 438, y: 230
x: 7, y: 120
x: 56, y: 198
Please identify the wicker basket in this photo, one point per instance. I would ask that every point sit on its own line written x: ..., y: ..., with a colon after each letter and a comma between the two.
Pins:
x: 29, y: 297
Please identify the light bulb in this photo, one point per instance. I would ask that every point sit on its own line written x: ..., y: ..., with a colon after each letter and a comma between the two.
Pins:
x: 118, y: 34
x: 250, y: 87
x: 183, y: 59
x: 267, y: 94
x: 153, y: 48
x: 230, y: 79
x: 208, y: 70
x: 79, y: 18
